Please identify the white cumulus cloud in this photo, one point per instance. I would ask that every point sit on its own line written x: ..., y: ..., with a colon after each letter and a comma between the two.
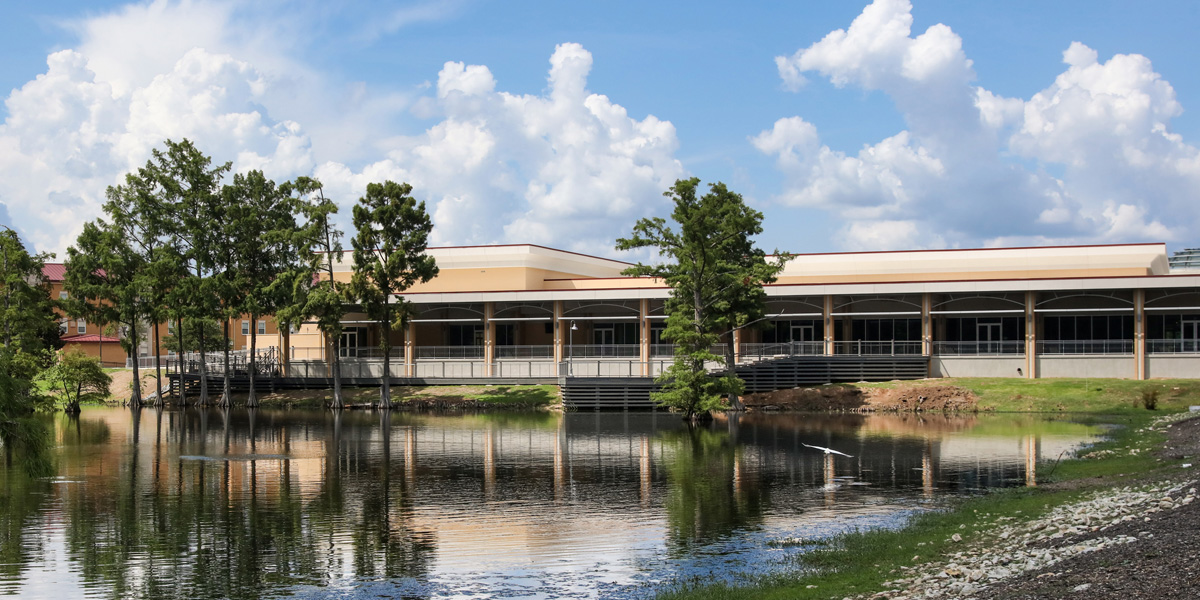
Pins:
x: 568, y: 167
x: 973, y: 167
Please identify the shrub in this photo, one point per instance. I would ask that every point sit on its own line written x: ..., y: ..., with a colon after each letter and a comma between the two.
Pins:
x: 1150, y: 399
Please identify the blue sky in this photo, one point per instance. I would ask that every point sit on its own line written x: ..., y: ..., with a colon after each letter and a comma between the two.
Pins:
x: 935, y: 124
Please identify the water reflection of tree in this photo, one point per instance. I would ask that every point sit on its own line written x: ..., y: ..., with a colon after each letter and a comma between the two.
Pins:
x: 238, y: 527
x: 21, y: 542
x: 710, y: 494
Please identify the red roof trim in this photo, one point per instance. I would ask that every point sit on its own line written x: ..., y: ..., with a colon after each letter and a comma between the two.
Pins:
x: 88, y: 338
x: 978, y: 249
x: 835, y: 283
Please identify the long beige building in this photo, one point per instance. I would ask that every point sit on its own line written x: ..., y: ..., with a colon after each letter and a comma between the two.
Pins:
x: 519, y: 311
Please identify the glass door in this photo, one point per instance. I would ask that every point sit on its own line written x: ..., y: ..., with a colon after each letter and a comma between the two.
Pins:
x: 1191, y: 336
x: 988, y: 337
x: 348, y: 345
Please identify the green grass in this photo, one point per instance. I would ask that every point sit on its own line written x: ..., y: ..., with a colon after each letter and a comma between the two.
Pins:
x: 1097, y: 396
x: 516, y: 395
x: 502, y: 396
x: 860, y: 562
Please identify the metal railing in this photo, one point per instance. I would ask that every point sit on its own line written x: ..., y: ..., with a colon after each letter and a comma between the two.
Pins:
x: 757, y: 351
x: 1047, y: 347
x: 878, y: 348
x: 979, y: 348
x: 1173, y: 346
x: 612, y: 368
x: 306, y: 353
x: 450, y: 352
x: 509, y: 352
x: 603, y: 350
x: 371, y: 352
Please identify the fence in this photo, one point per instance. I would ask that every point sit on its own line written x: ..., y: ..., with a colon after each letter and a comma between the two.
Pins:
x: 761, y: 351
x: 450, y: 352
x: 1085, y: 347
x: 603, y: 350
x: 1191, y: 346
x: 979, y: 348
x: 503, y: 352
x: 877, y: 348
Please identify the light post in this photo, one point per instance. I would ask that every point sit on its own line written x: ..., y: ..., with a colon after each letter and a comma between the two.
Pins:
x: 571, y: 350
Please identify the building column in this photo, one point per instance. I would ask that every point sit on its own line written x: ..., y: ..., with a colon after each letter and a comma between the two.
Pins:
x: 1139, y: 334
x: 926, y: 325
x: 1031, y: 335
x: 644, y: 335
x: 285, y: 351
x: 489, y: 338
x: 827, y: 320
x: 410, y: 350
x: 558, y: 332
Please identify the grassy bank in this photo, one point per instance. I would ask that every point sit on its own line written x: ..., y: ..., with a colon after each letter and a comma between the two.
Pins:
x: 1096, y: 396
x: 519, y: 397
x: 861, y: 562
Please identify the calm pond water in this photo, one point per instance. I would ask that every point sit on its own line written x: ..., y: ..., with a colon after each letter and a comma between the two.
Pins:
x: 204, y: 504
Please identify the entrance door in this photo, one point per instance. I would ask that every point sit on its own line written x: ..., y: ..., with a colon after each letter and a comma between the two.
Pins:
x: 802, y: 333
x: 1191, y: 336
x: 989, y: 338
x: 802, y: 336
x: 348, y: 345
x: 604, y: 335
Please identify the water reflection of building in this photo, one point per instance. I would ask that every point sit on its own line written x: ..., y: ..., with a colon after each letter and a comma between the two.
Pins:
x: 474, y: 489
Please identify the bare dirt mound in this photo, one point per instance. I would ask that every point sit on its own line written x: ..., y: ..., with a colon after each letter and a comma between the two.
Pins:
x: 122, y: 381
x: 842, y: 398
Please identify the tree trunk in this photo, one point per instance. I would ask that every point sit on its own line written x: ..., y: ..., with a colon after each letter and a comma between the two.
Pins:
x: 252, y: 399
x: 226, y: 394
x: 338, y: 401
x: 135, y: 393
x: 204, y: 399
x: 385, y: 388
x: 158, y: 395
x: 735, y: 402
x: 182, y: 358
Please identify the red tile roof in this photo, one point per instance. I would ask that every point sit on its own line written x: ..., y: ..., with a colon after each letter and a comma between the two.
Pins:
x: 87, y: 338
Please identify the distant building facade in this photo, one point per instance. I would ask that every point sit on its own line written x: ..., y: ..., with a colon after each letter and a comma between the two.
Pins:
x: 529, y: 311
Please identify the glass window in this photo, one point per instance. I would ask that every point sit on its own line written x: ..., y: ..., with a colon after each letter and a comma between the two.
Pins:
x: 62, y: 295
x: 262, y: 328
x: 81, y: 327
x: 245, y: 327
x: 62, y: 327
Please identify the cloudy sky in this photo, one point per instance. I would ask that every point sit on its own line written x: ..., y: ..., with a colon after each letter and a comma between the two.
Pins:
x: 851, y: 126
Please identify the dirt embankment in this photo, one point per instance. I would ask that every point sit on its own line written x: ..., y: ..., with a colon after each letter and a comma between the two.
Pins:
x: 122, y: 381
x: 848, y: 398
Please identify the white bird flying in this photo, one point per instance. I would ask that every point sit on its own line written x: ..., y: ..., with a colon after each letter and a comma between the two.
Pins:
x: 826, y: 450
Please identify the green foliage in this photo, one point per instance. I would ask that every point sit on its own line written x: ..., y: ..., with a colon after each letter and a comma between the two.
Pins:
x: 76, y: 378
x: 392, y: 233
x: 314, y: 292
x: 190, y: 186
x: 30, y: 327
x: 716, y: 276
x: 195, y: 332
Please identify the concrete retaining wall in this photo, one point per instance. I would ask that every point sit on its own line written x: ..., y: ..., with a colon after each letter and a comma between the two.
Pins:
x: 976, y: 366
x: 1086, y: 365
x: 1173, y: 366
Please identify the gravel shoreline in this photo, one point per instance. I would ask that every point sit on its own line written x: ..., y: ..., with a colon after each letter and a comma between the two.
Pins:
x: 1128, y: 542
